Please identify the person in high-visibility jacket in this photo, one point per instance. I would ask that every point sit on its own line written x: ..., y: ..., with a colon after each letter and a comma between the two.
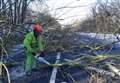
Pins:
x: 33, y: 44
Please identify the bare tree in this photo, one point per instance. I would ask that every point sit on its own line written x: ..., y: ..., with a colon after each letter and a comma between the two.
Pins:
x: 105, y: 17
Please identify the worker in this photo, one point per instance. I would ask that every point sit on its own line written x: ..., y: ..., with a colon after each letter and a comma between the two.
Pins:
x: 33, y: 44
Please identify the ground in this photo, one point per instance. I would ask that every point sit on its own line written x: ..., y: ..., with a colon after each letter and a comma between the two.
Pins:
x: 68, y: 74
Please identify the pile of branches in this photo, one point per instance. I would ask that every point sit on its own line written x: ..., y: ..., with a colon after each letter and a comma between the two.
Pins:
x: 101, y: 69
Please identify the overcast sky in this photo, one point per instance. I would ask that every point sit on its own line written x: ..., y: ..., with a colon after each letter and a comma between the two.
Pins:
x: 78, y: 10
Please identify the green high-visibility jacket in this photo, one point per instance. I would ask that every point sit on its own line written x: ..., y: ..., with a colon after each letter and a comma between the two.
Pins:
x: 32, y: 44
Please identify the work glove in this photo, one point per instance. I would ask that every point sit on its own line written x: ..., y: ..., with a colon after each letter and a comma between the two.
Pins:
x: 33, y: 53
x: 41, y: 54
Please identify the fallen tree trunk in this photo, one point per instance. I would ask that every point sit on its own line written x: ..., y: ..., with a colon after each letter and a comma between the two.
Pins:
x: 54, y: 72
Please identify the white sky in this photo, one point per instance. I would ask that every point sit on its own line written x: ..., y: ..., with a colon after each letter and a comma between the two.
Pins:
x: 69, y: 14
